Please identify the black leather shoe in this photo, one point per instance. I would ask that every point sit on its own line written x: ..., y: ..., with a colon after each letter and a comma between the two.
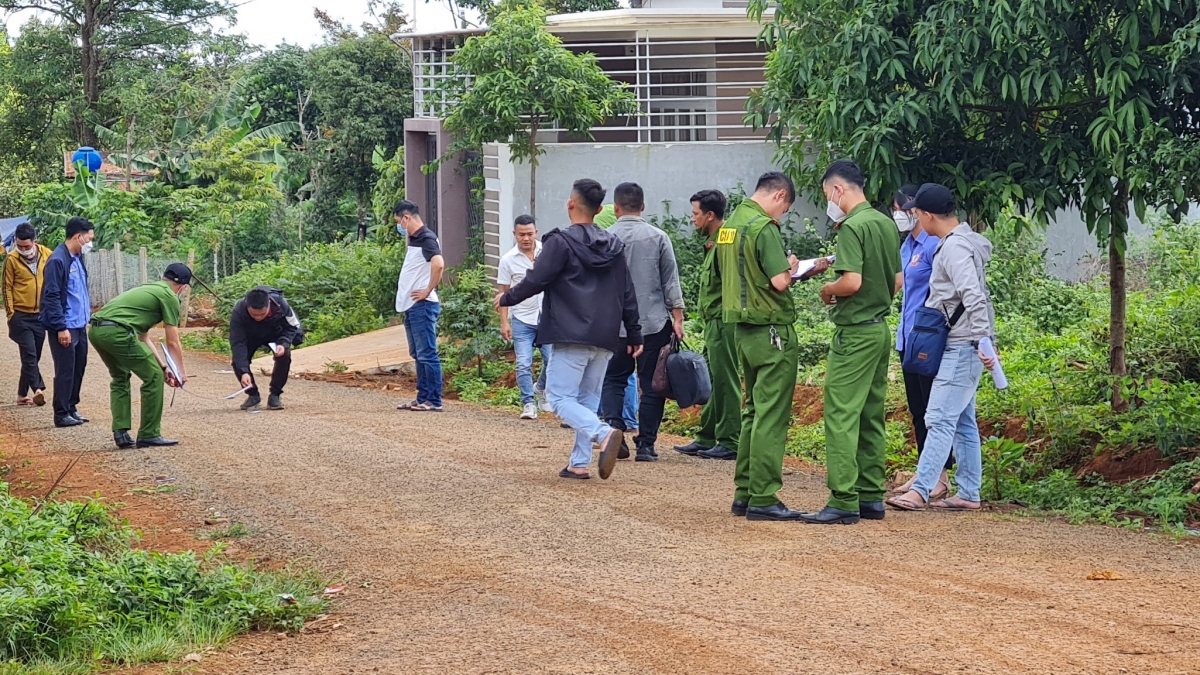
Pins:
x: 739, y: 508
x: 717, y: 452
x: 773, y: 512
x: 831, y: 516
x: 81, y: 418
x: 871, y: 510
x: 646, y: 455
x: 155, y: 442
x: 122, y: 439
x: 66, y: 421
x: 690, y: 449
x: 251, y: 401
x: 274, y: 402
x: 623, y: 453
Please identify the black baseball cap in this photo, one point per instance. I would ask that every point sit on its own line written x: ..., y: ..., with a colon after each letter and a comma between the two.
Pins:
x: 179, y: 273
x: 932, y: 198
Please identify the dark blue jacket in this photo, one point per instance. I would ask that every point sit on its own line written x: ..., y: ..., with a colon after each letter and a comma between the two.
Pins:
x: 54, y: 289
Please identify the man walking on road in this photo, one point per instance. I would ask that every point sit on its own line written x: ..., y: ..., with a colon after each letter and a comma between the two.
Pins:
x: 755, y: 296
x: 588, y: 296
x: 521, y: 327
x: 651, y: 261
x: 721, y: 419
x: 24, y: 275
x: 263, y: 319
x: 868, y: 263
x: 417, y: 299
x: 120, y: 334
x: 66, y: 309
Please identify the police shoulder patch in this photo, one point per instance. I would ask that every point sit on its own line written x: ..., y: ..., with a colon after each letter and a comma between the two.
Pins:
x: 725, y: 235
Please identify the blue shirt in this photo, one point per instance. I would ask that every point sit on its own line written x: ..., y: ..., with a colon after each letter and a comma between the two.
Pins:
x: 79, y: 304
x: 916, y: 259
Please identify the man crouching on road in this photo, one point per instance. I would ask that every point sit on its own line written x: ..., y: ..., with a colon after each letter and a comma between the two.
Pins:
x: 263, y: 319
x: 587, y: 295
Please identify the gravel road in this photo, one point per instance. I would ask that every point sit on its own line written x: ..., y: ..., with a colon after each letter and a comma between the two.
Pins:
x: 461, y: 551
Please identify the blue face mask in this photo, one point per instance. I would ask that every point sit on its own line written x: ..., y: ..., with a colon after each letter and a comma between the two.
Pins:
x: 400, y: 228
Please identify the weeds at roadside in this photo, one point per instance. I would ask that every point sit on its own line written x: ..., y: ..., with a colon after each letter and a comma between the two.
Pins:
x: 231, y: 531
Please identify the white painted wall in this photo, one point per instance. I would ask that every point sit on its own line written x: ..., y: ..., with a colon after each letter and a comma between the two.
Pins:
x: 667, y: 172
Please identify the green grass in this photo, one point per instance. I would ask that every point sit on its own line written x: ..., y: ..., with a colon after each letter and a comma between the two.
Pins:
x: 76, y: 597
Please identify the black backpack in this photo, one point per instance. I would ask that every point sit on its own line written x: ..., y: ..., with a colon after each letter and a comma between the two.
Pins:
x: 682, y: 374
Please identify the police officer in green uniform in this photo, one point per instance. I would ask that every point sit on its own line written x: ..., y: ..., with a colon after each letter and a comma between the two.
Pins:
x: 120, y: 336
x: 756, y: 274
x: 868, y: 261
x: 721, y: 419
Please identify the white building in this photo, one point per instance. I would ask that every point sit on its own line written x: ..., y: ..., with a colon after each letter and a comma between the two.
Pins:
x: 691, y: 64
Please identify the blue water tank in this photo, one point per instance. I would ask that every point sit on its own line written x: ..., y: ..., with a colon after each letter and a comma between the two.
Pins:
x: 90, y: 158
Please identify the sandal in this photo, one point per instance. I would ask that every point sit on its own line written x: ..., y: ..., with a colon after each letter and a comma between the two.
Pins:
x: 25, y: 400
x: 947, y: 505
x: 408, y: 406
x: 425, y: 407
x: 568, y: 473
x: 904, y: 504
x: 940, y: 491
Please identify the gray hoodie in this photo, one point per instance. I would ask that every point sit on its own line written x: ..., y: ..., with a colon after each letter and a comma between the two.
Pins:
x: 958, y: 279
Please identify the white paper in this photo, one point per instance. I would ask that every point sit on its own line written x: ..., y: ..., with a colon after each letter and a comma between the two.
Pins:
x: 234, y: 394
x: 806, y: 266
x: 274, y: 347
x: 989, y: 350
x: 171, y: 366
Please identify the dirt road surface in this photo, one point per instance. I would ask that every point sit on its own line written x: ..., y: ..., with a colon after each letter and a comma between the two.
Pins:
x: 461, y: 551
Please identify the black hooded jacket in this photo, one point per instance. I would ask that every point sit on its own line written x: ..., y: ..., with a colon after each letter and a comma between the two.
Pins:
x: 587, y: 290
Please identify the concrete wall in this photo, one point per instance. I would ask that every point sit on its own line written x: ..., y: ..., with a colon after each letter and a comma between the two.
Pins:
x: 668, y: 173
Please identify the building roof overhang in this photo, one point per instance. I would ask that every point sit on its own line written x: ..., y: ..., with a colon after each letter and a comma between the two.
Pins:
x: 698, y: 22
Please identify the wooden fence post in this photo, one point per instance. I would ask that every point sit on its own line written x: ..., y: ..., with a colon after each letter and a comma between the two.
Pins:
x: 216, y: 270
x: 104, y: 277
x: 120, y: 268
x: 187, y: 293
x: 142, y: 265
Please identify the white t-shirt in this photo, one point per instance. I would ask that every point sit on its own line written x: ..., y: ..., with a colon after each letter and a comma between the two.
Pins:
x: 417, y: 269
x: 512, y: 269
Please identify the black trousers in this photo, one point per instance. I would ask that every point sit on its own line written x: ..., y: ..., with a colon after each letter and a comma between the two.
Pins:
x: 69, y: 364
x: 650, y: 404
x: 916, y: 390
x: 30, y: 336
x: 279, y: 372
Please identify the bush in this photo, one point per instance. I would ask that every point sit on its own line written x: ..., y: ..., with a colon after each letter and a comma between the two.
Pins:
x: 468, y: 321
x: 74, y: 591
x: 336, y: 289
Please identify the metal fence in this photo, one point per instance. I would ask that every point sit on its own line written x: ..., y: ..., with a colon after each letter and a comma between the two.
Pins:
x: 112, y: 272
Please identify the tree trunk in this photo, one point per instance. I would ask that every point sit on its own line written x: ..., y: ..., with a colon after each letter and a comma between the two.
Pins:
x: 1117, y: 294
x: 129, y: 154
x: 362, y: 221
x: 533, y: 164
x: 90, y: 67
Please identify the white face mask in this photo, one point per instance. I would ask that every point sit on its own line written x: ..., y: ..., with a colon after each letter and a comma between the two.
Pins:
x: 30, y: 254
x: 835, y: 212
x: 87, y: 248
x: 904, y: 221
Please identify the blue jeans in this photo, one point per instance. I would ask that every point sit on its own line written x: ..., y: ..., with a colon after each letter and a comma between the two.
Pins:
x: 573, y: 382
x: 522, y: 337
x: 420, y: 325
x: 950, y: 420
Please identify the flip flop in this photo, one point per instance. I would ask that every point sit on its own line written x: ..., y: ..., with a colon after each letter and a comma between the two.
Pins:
x: 904, y: 504
x: 608, y: 453
x: 426, y: 407
x: 567, y: 473
x: 946, y: 505
x: 25, y: 401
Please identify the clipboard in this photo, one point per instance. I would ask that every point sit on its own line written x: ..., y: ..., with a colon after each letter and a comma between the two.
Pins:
x: 807, y: 266
x: 171, y: 365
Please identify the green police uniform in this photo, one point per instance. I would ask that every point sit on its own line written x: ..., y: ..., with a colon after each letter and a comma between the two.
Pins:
x: 606, y: 217
x: 750, y: 251
x: 114, y: 334
x: 856, y: 378
x: 721, y: 419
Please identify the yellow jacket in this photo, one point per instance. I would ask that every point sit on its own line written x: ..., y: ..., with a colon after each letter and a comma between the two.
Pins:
x: 23, y: 288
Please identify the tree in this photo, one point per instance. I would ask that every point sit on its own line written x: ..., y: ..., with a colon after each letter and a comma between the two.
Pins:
x: 106, y: 33
x: 524, y: 81
x: 363, y: 89
x: 1041, y: 104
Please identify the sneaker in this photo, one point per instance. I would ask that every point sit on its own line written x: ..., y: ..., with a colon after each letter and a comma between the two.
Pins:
x: 251, y: 401
x: 529, y: 411
x: 274, y: 402
x: 542, y: 404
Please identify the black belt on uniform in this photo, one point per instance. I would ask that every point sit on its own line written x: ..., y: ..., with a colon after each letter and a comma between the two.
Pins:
x: 100, y: 323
